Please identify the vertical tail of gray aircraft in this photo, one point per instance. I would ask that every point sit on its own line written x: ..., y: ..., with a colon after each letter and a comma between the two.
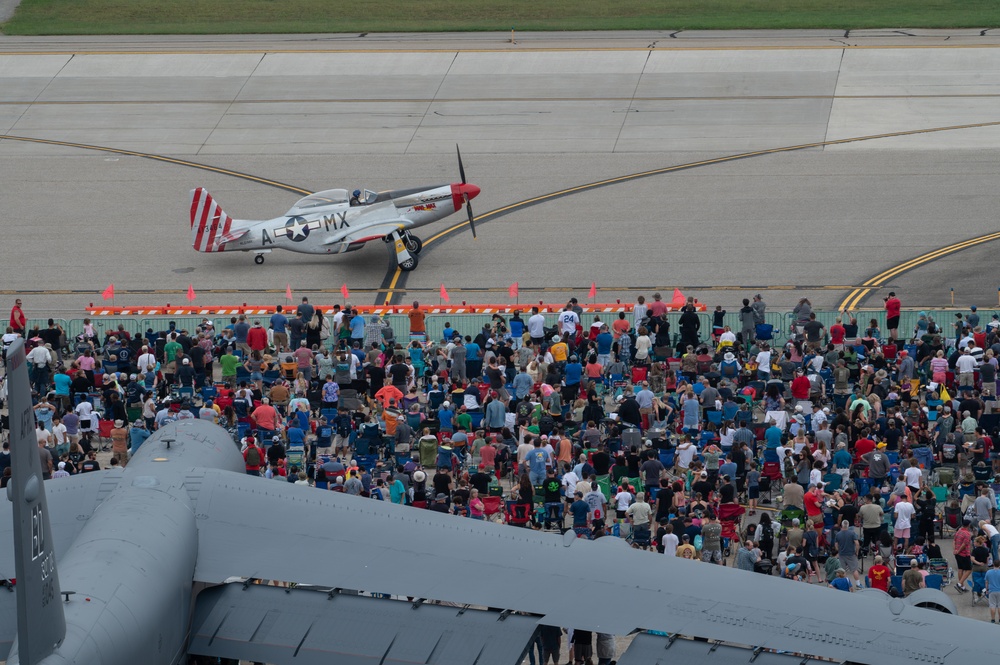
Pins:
x: 41, y: 625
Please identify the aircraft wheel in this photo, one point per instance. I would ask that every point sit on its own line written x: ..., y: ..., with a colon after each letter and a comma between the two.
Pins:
x: 413, y: 244
x: 409, y: 264
x: 259, y: 259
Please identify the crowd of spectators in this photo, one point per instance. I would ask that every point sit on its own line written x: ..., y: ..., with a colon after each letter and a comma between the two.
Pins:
x: 720, y: 445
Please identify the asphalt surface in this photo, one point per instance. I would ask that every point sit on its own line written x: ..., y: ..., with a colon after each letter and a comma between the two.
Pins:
x: 552, y: 112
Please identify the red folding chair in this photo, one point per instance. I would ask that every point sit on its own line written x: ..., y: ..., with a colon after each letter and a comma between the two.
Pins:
x: 518, y: 514
x: 493, y: 508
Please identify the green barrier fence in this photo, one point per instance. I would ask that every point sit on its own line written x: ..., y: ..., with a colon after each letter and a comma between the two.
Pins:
x: 471, y: 324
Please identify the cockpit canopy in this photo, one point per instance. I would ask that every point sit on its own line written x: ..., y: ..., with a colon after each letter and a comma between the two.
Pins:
x: 328, y: 197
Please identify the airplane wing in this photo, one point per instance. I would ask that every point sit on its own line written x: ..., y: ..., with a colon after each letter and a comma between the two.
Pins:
x: 340, y: 541
x: 71, y: 503
x: 266, y: 624
x: 373, y: 222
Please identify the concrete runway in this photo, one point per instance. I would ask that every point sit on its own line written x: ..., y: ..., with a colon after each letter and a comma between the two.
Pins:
x: 554, y: 111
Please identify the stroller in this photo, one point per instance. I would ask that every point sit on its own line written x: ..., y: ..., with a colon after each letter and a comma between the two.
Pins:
x: 764, y: 566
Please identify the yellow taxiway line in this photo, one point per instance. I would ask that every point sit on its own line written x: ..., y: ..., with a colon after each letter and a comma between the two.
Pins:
x: 875, y: 281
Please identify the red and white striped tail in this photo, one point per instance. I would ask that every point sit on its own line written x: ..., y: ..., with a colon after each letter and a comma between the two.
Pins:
x: 209, y: 222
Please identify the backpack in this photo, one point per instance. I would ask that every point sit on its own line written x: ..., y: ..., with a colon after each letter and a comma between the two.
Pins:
x: 253, y: 456
x: 524, y: 409
x: 546, y: 423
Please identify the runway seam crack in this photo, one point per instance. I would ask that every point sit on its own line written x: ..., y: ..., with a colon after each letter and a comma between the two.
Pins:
x: 833, y: 99
x: 430, y: 103
x: 229, y: 106
x: 631, y: 101
x: 40, y: 93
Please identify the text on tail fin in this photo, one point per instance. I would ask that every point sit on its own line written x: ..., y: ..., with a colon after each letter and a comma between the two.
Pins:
x: 209, y: 222
x: 41, y: 624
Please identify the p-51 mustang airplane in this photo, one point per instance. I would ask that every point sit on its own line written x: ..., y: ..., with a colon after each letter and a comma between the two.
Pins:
x: 331, y: 222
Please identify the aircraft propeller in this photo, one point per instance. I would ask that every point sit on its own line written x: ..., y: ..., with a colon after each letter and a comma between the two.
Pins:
x: 468, y: 202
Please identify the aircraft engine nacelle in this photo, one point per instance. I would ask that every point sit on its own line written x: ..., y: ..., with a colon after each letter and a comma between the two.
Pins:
x: 932, y: 599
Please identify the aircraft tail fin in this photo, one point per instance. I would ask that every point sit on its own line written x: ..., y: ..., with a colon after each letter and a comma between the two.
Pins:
x: 210, y: 225
x: 41, y: 624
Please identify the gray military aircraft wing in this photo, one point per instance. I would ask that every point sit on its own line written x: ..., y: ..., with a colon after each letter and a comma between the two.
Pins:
x: 348, y: 542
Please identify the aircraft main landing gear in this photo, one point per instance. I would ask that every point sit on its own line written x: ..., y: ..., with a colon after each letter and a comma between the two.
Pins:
x: 407, y: 247
x: 413, y: 244
x: 259, y: 259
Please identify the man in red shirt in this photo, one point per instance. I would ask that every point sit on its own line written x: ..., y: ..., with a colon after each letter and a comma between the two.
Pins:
x: 253, y: 457
x: 878, y: 575
x: 257, y: 337
x: 800, y: 386
x: 813, y: 501
x: 892, y: 306
x: 863, y: 446
x: 837, y: 333
x: 657, y: 308
x: 17, y: 320
x: 265, y: 417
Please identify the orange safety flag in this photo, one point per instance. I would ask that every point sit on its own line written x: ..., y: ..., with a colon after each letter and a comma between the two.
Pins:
x: 593, y: 290
x: 288, y: 291
x: 444, y: 294
x: 512, y: 290
x: 109, y: 292
x: 190, y: 293
x: 344, y: 292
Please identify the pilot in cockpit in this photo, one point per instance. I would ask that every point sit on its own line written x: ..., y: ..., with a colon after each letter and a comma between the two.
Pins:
x: 356, y: 198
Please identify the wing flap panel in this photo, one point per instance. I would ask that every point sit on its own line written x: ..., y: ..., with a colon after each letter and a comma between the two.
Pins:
x: 648, y: 649
x: 306, y: 627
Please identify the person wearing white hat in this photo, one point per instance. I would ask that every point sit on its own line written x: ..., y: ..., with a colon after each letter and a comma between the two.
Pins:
x: 61, y: 472
x: 730, y: 367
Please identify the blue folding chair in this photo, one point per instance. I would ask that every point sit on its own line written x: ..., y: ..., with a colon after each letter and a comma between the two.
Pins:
x: 832, y: 482
x: 209, y: 392
x: 729, y: 410
x: 366, y: 461
x: 764, y: 331
x: 933, y: 581
x: 714, y: 417
x: 667, y: 458
x: 324, y: 436
x: 896, y: 582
